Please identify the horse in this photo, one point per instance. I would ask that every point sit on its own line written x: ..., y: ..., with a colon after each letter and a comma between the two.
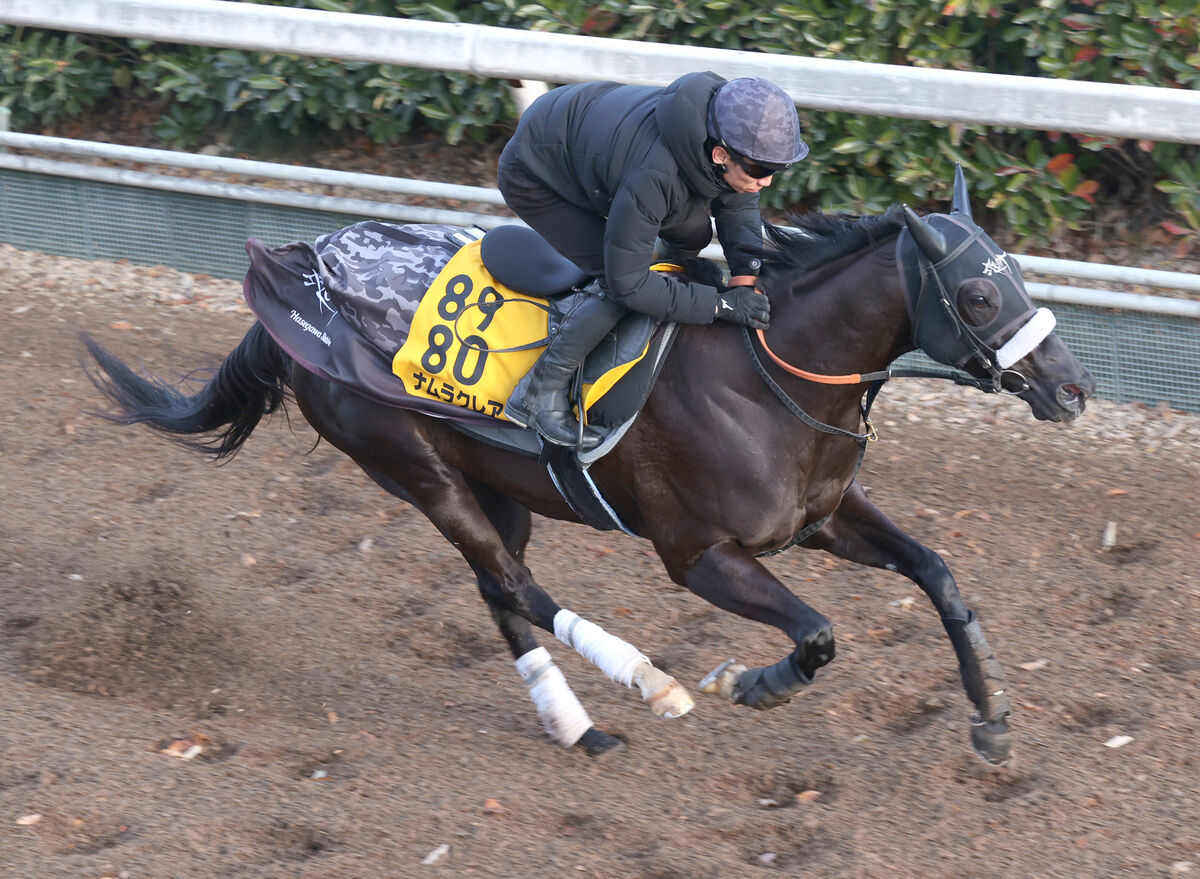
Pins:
x: 730, y: 458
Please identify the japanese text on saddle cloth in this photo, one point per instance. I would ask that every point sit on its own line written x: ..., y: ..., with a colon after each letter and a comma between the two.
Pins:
x: 472, y: 339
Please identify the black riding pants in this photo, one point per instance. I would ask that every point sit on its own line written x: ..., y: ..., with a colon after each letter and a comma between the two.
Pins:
x: 576, y: 233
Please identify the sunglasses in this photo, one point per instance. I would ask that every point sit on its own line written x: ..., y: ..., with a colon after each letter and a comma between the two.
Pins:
x: 757, y: 170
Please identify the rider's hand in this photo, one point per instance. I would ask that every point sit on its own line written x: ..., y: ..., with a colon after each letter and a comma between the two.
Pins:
x: 744, y: 305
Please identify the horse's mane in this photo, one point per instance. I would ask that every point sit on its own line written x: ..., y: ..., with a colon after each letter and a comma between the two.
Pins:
x: 814, y: 240
x: 818, y: 239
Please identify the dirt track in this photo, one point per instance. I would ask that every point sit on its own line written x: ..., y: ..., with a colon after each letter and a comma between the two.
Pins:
x: 356, y: 709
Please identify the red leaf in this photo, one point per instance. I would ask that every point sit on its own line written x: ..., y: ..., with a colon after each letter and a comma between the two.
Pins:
x: 1060, y: 163
x: 1087, y: 53
x: 1008, y: 171
x: 1085, y: 190
x: 1174, y: 228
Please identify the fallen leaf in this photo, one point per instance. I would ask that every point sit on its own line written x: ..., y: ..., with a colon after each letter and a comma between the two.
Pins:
x: 1036, y: 665
x: 121, y: 325
x: 1115, y: 492
x: 184, y: 749
x: 807, y: 796
x: 29, y: 820
x: 492, y: 806
x: 436, y: 855
x: 1118, y: 741
x: 1109, y: 540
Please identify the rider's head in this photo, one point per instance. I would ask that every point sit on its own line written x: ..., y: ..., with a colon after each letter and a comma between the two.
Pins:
x: 754, y: 132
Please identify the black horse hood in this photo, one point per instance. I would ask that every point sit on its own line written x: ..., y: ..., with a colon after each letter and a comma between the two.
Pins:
x: 680, y: 113
x: 930, y: 288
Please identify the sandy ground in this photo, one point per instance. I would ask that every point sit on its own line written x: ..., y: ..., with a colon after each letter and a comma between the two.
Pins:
x: 356, y: 713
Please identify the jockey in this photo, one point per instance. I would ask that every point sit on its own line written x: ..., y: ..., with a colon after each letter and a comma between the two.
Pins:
x: 602, y: 170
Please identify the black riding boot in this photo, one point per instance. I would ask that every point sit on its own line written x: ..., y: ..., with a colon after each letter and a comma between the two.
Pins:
x: 547, y: 400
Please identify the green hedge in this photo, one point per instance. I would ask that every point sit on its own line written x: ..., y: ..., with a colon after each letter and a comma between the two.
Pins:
x: 1041, y: 184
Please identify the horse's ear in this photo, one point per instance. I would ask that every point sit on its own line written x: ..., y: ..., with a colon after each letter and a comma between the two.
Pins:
x: 930, y: 240
x: 962, y: 200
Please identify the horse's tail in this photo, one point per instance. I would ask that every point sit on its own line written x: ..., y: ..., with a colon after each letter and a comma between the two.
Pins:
x: 253, y: 381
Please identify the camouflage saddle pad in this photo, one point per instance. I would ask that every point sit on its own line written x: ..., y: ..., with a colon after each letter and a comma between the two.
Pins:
x: 377, y: 306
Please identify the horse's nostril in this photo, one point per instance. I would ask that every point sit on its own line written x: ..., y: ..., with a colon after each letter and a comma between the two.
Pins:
x: 1071, y: 394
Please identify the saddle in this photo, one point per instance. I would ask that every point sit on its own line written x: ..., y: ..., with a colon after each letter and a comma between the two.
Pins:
x: 407, y: 315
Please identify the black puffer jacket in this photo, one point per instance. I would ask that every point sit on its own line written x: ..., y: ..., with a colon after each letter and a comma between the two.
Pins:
x: 635, y: 154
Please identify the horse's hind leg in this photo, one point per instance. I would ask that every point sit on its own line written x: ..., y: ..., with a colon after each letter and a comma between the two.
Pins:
x: 859, y: 532
x: 389, y: 443
x: 562, y: 715
x: 443, y: 495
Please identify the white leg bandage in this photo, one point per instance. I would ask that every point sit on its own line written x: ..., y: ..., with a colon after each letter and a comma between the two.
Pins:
x: 562, y: 716
x: 616, y: 658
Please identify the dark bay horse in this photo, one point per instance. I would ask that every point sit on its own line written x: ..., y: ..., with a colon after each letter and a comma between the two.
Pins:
x: 732, y: 457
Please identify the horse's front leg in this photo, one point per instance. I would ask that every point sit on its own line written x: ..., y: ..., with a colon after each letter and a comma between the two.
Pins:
x: 730, y: 577
x: 859, y: 532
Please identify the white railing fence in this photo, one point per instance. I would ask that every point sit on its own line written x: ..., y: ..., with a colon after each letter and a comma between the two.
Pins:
x: 889, y: 90
x: 819, y: 83
x: 1118, y: 275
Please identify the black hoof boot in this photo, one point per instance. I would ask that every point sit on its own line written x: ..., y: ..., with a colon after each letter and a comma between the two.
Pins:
x: 992, y: 740
x: 596, y: 743
x: 770, y: 687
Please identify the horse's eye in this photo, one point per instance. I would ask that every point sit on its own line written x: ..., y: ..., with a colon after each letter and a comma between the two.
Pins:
x: 978, y: 301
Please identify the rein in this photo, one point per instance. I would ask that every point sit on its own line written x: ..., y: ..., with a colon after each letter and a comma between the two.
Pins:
x: 859, y: 378
x: 861, y: 439
x: 875, y: 381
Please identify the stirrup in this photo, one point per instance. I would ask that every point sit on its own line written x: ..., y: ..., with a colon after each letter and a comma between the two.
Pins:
x: 582, y: 438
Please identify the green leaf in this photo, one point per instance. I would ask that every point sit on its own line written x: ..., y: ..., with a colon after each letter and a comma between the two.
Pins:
x: 851, y: 145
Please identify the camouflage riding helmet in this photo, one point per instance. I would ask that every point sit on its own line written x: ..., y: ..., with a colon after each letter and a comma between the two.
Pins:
x: 756, y: 119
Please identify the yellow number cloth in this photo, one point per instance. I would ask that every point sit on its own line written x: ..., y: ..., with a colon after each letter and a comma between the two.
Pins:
x: 465, y: 304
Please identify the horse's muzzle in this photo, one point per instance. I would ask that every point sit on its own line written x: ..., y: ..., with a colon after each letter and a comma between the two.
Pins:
x: 1069, y: 400
x: 1073, y: 396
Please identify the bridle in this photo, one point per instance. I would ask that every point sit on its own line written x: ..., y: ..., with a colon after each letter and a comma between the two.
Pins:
x: 997, y: 361
x: 991, y: 358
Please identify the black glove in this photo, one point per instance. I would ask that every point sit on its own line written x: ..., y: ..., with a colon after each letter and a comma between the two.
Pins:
x: 745, y: 306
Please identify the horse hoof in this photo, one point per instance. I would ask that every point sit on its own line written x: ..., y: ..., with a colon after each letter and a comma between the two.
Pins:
x: 992, y: 741
x: 671, y: 701
x: 595, y: 743
x: 662, y: 692
x: 721, y: 680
